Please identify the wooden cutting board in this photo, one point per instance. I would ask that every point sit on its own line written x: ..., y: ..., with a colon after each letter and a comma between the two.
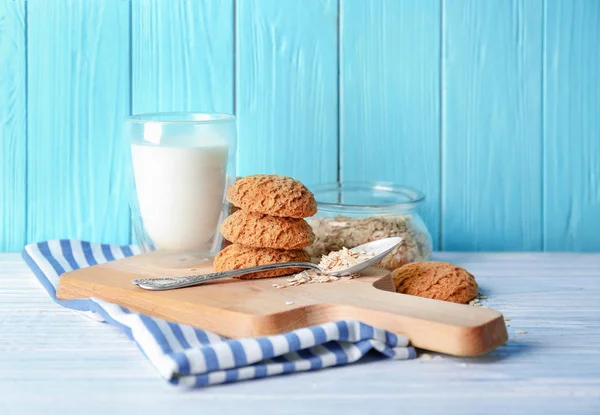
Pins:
x: 249, y: 308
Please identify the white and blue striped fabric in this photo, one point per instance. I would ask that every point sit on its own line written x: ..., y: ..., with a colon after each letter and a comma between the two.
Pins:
x: 188, y: 356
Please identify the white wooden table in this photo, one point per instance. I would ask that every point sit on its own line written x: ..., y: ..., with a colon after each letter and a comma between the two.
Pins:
x: 53, y: 360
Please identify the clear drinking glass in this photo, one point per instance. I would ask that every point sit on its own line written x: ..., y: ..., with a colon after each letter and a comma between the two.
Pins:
x: 181, y: 164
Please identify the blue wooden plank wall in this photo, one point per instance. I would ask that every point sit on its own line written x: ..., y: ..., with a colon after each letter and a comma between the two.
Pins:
x: 489, y: 107
x: 390, y: 96
x: 78, y: 87
x: 492, y: 125
x: 286, y: 88
x: 13, y: 125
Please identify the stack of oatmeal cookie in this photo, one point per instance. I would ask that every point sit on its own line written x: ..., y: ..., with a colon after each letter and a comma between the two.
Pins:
x: 269, y: 227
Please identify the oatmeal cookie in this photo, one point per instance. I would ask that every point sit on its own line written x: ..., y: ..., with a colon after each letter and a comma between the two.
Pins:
x: 238, y: 256
x: 273, y: 195
x: 437, y: 280
x: 264, y: 231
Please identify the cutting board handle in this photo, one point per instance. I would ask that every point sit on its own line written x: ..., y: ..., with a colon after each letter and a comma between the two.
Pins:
x: 442, y: 326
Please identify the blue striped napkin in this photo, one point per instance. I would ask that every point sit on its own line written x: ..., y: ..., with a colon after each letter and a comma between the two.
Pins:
x: 188, y: 356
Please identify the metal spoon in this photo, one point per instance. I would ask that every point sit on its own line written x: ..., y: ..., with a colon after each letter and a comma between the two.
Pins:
x: 380, y: 248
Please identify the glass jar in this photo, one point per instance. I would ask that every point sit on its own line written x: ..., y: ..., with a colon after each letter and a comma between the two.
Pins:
x: 353, y: 213
x: 181, y: 164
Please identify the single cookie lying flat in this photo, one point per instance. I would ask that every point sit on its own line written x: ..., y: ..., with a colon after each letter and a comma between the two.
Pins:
x: 238, y: 256
x: 272, y: 195
x: 437, y: 280
x: 263, y: 231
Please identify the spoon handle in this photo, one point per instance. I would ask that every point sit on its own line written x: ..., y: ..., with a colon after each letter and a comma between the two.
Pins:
x: 160, y: 284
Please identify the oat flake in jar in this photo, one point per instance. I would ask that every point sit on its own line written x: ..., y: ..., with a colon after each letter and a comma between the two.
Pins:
x: 354, y: 213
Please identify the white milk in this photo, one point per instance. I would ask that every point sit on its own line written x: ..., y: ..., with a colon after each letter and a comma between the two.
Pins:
x: 180, y: 193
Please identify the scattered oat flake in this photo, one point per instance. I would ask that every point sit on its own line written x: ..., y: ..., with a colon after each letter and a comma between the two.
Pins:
x: 506, y: 319
x: 312, y: 276
x: 476, y: 302
x: 520, y: 332
x: 426, y: 356
x: 289, y: 302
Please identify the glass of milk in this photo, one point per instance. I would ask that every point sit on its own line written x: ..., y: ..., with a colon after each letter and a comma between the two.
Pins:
x: 181, y: 165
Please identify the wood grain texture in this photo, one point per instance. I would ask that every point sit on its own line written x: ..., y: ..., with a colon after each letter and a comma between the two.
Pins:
x: 253, y: 308
x: 78, y: 96
x: 286, y: 88
x: 13, y: 125
x: 182, y: 55
x: 548, y: 366
x: 572, y: 126
x: 491, y: 125
x: 390, y: 96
